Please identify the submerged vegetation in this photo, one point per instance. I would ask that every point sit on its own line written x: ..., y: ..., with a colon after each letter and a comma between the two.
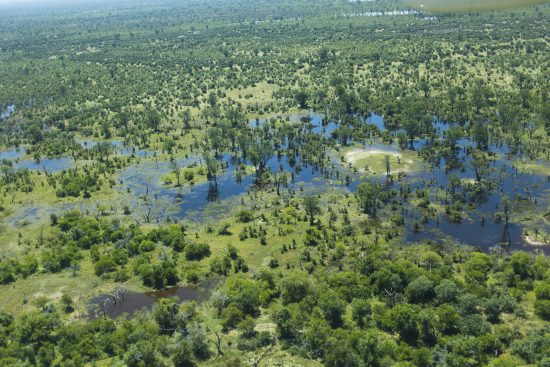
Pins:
x: 301, y: 183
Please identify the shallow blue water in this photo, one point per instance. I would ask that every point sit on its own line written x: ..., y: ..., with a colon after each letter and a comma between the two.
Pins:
x: 51, y: 165
x: 147, y: 192
x: 177, y: 203
x: 471, y: 231
x: 11, y: 154
x: 119, y: 148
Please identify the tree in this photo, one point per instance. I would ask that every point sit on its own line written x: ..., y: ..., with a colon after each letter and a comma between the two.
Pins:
x: 105, y: 265
x: 243, y: 293
x: 197, y: 251
x: 542, y: 303
x: 312, y: 208
x: 142, y: 354
x: 506, y: 205
x: 67, y: 302
x: 447, y: 291
x: 341, y: 354
x: 452, y: 136
x: 454, y: 183
x: 420, y: 290
x: 474, y: 325
x: 186, y: 117
x: 332, y: 307
x: 216, y: 140
x: 183, y: 353
x: 295, y: 286
x: 175, y: 170
x: 387, y: 163
x: 316, y: 334
x: 368, y: 193
x: 480, y: 164
x: 197, y: 337
x: 301, y: 98
x: 449, y: 319
x: 152, y: 119
x: 246, y: 327
x: 288, y: 326
x: 212, y: 167
x: 480, y: 134
x: 477, y: 269
x: 281, y: 179
x: 245, y: 216
x: 166, y: 314
x: 403, y: 319
x: 542, y: 308
x: 260, y: 152
x: 361, y: 310
x: 212, y: 99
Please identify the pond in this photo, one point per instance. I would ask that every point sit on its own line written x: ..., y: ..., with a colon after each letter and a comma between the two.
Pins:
x: 319, y: 123
x: 122, y: 302
x: 190, y: 203
x: 11, y: 154
x: 29, y: 214
x: 480, y: 228
x: 49, y: 165
x: 119, y: 148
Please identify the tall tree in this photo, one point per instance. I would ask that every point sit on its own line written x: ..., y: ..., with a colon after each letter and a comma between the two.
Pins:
x: 311, y: 205
x: 368, y: 194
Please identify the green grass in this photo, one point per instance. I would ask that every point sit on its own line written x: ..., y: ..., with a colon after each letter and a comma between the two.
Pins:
x: 373, y: 161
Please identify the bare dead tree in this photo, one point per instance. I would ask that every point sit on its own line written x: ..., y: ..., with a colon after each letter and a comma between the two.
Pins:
x: 217, y: 342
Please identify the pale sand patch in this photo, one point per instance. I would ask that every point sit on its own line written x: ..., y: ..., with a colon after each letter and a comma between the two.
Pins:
x: 534, y: 242
x: 355, y: 155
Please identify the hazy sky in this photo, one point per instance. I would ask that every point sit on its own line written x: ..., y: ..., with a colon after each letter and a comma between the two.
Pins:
x: 48, y: 2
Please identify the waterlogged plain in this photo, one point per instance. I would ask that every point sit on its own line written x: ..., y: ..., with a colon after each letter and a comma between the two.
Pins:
x: 143, y: 189
x: 298, y: 183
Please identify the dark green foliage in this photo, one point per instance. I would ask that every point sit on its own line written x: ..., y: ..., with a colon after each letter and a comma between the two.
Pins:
x: 104, y: 265
x: 183, y: 354
x: 420, y: 290
x: 245, y: 216
x: 295, y: 287
x: 197, y: 251
x: 332, y: 307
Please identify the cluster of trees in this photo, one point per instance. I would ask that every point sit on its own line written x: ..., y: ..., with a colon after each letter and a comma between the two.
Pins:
x: 416, y: 306
x: 116, y: 251
x: 75, y: 184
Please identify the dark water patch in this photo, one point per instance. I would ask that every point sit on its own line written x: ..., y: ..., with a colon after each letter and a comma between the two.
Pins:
x: 143, y: 182
x: 486, y: 235
x: 482, y: 227
x: 122, y: 302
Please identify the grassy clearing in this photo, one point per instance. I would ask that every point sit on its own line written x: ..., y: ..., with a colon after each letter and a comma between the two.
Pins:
x: 373, y: 160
